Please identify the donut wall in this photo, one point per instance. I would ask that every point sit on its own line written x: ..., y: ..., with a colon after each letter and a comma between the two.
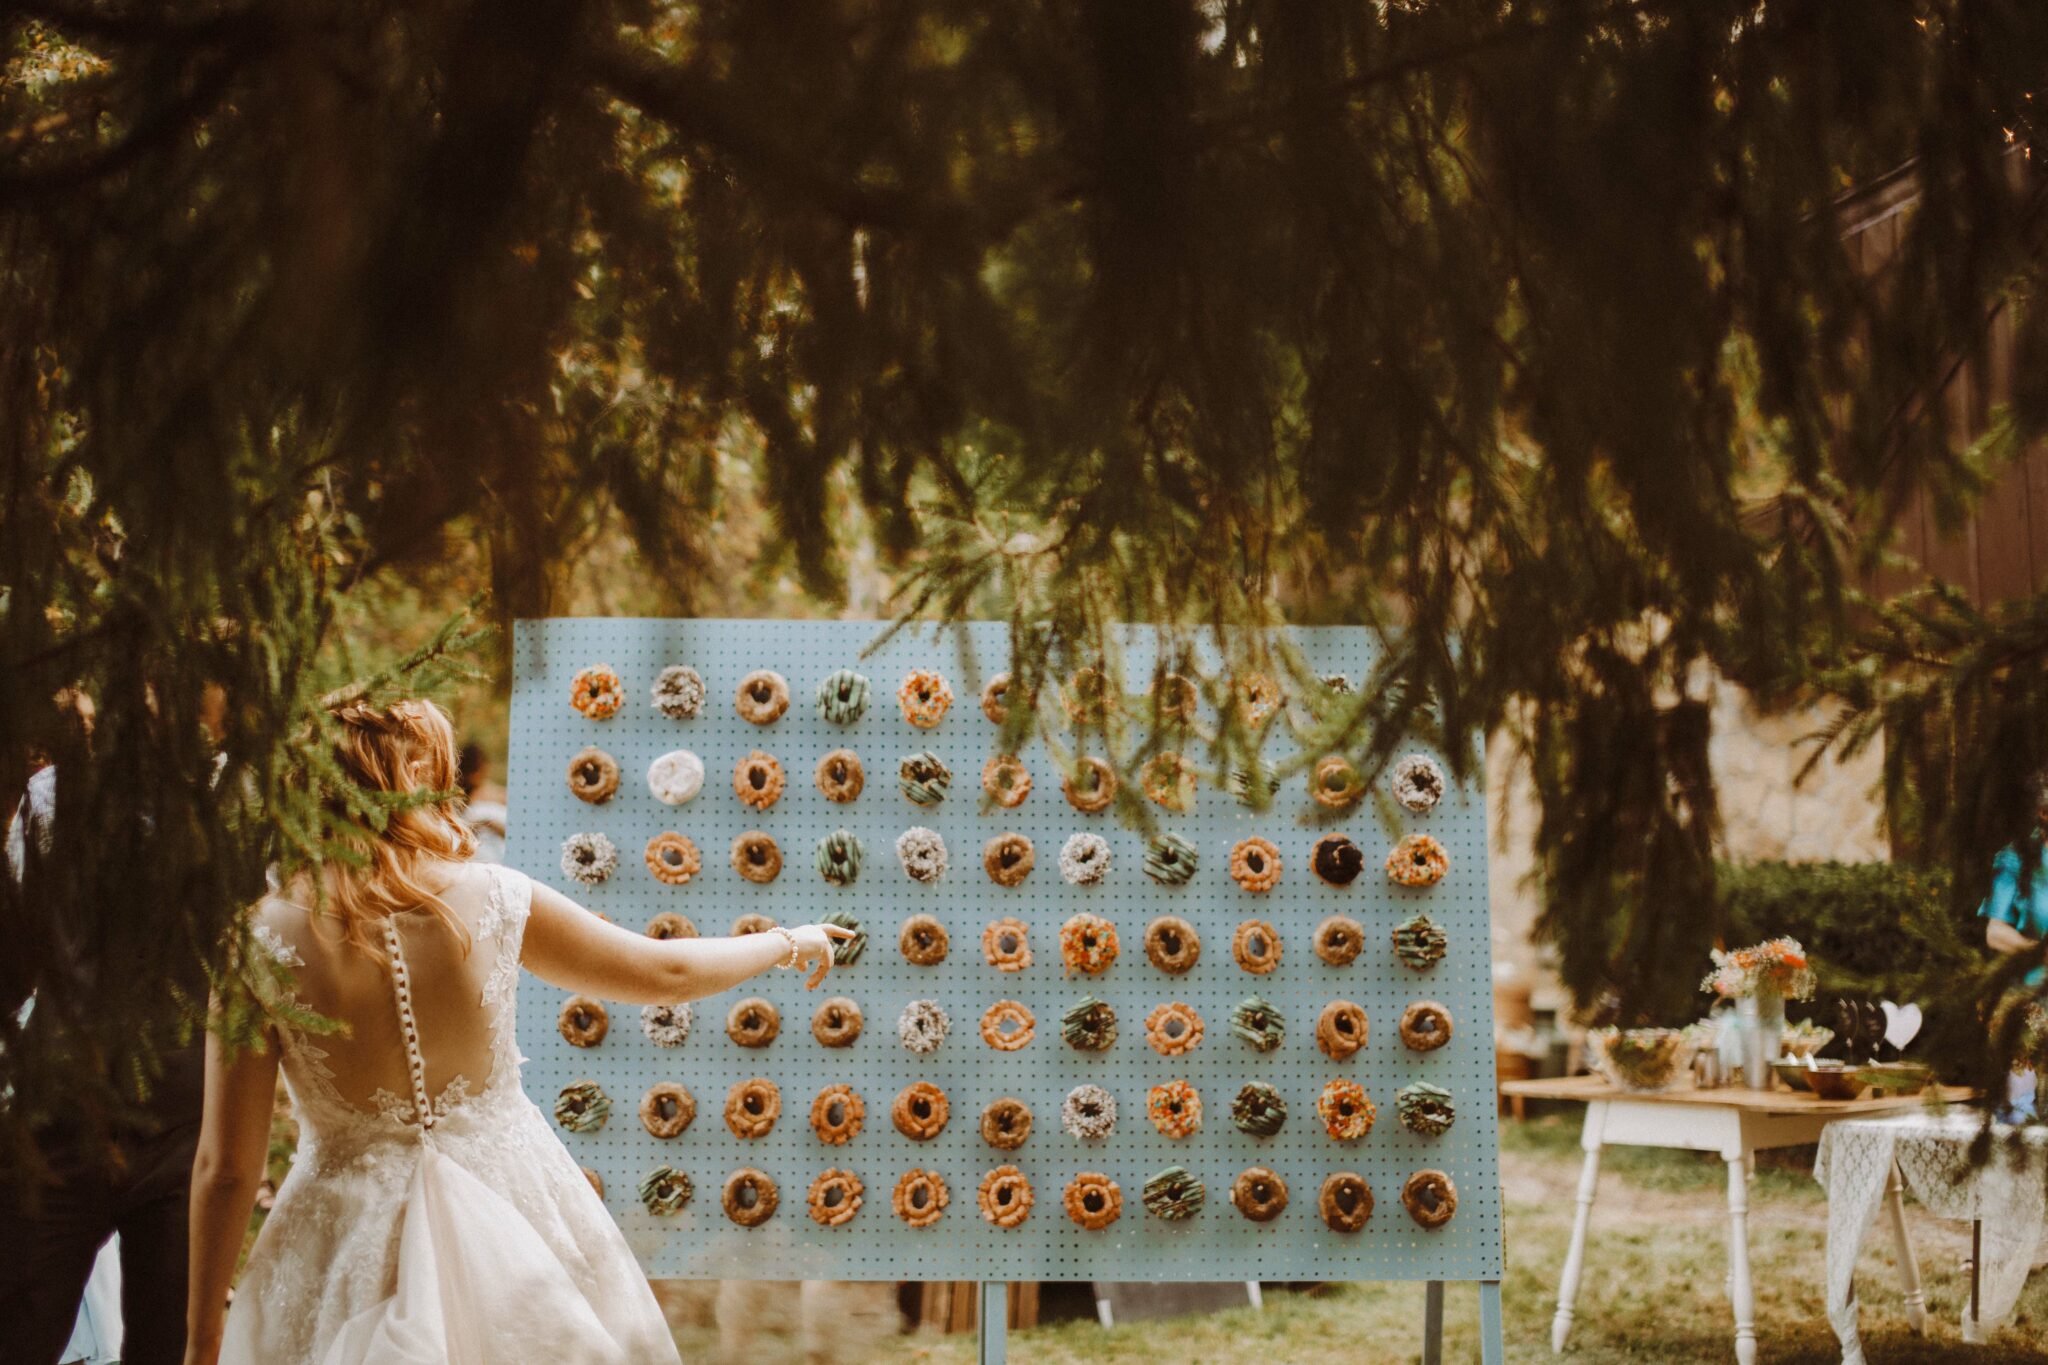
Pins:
x: 1250, y: 1046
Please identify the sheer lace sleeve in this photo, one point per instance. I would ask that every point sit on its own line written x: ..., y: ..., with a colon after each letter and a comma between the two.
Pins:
x: 503, y: 925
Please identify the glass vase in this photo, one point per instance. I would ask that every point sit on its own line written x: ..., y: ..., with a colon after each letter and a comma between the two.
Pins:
x: 1760, y: 1019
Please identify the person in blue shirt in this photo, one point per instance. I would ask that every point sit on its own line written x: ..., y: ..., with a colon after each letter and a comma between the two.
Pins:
x: 2016, y: 921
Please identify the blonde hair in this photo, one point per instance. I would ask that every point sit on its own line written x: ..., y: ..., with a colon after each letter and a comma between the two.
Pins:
x: 405, y: 748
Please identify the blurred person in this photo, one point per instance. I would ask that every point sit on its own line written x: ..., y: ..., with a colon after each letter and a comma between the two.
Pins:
x: 433, y: 1213
x: 2016, y: 921
x: 484, y: 807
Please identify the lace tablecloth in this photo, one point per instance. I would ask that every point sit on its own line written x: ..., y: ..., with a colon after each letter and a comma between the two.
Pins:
x: 2008, y: 1195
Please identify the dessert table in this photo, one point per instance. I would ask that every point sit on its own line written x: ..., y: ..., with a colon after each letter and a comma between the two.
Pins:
x: 1735, y: 1122
x: 2005, y: 1200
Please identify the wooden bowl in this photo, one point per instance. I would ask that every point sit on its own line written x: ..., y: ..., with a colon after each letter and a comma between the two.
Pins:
x: 1836, y: 1082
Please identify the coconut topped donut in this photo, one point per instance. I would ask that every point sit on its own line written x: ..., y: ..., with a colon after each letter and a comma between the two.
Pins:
x: 1418, y: 783
x: 590, y: 858
x: 922, y: 852
x: 1089, y: 1112
x: 1084, y: 859
x: 678, y: 692
x: 922, y: 1026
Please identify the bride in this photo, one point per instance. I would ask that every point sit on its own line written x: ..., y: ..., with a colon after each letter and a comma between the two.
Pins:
x: 430, y: 1214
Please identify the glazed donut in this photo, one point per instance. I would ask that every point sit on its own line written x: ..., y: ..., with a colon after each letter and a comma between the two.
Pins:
x: 1253, y: 785
x: 846, y: 951
x: 923, y: 941
x: 1089, y: 1026
x: 1175, y: 697
x: 920, y: 1112
x: 923, y: 854
x: 1088, y: 944
x: 1173, y: 1028
x: 1088, y: 1112
x: 1335, y: 782
x: 922, y: 1026
x: 836, y: 1023
x: 920, y: 1197
x: 924, y: 778
x: 1255, y: 865
x: 596, y: 1181
x: 1346, y: 1110
x: 751, y: 1107
x: 1007, y: 859
x: 1256, y: 946
x: 1006, y: 781
x: 750, y: 1197
x: 836, y: 1115
x: 672, y: 858
x: 842, y: 697
x: 665, y: 1190
x: 1008, y: 1026
x: 1172, y: 945
x: 834, y: 1198
x: 1006, y: 1124
x: 1091, y: 786
x: 1175, y: 1109
x: 753, y: 922
x: 840, y: 776
x: 667, y: 1109
x: 1005, y: 1197
x: 925, y: 697
x: 1418, y: 783
x: 1430, y: 1198
x: 1258, y: 1023
x: 1174, y: 1195
x: 596, y: 692
x: 757, y: 780
x: 1425, y: 1109
x: 668, y: 924
x: 839, y: 857
x: 678, y: 692
x: 665, y: 1025
x: 1006, y: 943
x: 1417, y: 861
x: 1170, y: 860
x: 1258, y: 1110
x: 1086, y: 695
x: 583, y: 1021
x: 1169, y: 781
x: 1419, y: 943
x: 1259, y: 1194
x: 1425, y: 1026
x: 1093, y: 1201
x: 1338, y: 940
x: 995, y: 698
x: 1345, y: 1202
x: 753, y: 1022
x: 757, y: 857
x: 1336, y: 861
x: 590, y: 858
x: 761, y: 697
x: 1258, y: 697
x: 583, y: 1107
x: 1084, y: 859
x: 593, y: 776
x: 1341, y: 1030
x: 676, y: 777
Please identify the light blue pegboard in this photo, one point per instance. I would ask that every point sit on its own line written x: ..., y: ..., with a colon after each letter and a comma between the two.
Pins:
x: 1218, y: 1244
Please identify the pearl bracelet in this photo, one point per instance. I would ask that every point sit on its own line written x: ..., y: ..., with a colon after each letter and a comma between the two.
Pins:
x: 790, y: 939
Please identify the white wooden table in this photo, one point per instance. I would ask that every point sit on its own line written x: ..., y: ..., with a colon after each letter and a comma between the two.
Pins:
x: 1735, y: 1122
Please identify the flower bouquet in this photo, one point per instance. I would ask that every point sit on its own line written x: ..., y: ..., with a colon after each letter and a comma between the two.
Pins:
x: 1760, y: 979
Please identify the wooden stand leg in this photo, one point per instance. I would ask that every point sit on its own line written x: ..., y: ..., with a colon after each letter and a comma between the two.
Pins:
x: 994, y: 1321
x: 1433, y: 1323
x: 1575, y: 1257
x: 1492, y: 1344
x: 1741, y: 1292
x: 1909, y: 1266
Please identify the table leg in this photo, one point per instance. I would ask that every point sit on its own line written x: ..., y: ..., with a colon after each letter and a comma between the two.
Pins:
x: 1909, y: 1266
x: 1973, y: 1327
x: 1433, y: 1323
x: 1741, y: 1291
x: 1575, y: 1257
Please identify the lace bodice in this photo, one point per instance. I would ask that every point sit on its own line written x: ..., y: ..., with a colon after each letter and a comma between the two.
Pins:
x: 414, y: 1037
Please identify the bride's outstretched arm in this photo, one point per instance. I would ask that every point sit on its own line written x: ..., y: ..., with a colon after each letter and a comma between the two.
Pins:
x: 234, y: 1140
x: 567, y: 946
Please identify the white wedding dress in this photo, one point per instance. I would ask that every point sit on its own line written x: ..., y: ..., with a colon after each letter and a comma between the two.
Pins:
x: 431, y: 1214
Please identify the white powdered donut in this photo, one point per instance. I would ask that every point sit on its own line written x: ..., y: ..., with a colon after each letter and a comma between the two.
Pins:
x: 922, y: 853
x: 676, y: 776
x: 1084, y: 858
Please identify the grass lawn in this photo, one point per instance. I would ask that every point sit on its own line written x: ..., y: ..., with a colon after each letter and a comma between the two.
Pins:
x: 1655, y: 1266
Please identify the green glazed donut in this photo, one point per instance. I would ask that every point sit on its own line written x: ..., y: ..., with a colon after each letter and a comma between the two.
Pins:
x: 1170, y: 860
x: 924, y: 778
x: 582, y: 1107
x: 1173, y: 1194
x: 665, y: 1190
x: 847, y: 951
x: 1258, y: 1110
x: 1419, y: 943
x: 1258, y: 1023
x: 1425, y: 1108
x: 843, y: 697
x: 839, y: 858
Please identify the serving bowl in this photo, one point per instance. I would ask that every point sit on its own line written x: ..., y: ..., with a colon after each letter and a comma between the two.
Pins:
x: 1639, y: 1059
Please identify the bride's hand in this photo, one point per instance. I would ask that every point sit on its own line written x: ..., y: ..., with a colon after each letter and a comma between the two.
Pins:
x: 814, y: 945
